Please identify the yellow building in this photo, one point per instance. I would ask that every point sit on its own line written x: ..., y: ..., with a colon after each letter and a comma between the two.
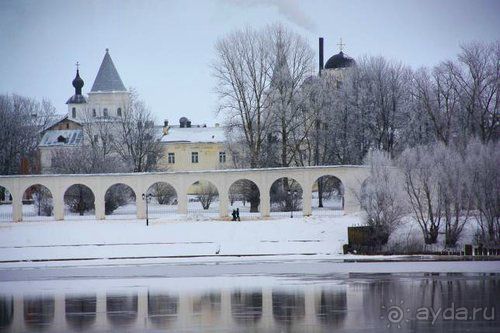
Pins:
x: 194, y: 147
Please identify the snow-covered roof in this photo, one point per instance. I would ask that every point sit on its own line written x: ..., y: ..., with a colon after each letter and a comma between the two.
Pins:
x: 62, y: 138
x: 194, y: 134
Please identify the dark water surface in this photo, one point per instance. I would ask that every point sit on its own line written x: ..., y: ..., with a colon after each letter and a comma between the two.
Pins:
x: 413, y: 302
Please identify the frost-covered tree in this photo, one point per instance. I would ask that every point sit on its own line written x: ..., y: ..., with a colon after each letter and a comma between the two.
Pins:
x: 21, y: 121
x: 383, y: 198
x: 422, y: 188
x: 483, y: 162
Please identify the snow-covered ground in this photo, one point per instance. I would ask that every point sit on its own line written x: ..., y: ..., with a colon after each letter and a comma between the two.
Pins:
x: 167, y: 238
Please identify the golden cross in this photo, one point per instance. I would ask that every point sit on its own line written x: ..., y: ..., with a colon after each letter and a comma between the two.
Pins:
x: 341, y: 45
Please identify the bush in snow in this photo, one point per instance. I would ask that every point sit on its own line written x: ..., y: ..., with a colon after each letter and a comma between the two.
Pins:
x: 116, y: 196
x: 207, y: 194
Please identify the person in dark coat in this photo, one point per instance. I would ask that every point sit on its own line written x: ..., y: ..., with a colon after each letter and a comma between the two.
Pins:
x: 238, y: 214
x: 234, y: 215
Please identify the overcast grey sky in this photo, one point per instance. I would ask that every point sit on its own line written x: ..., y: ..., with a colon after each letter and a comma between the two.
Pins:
x: 164, y: 48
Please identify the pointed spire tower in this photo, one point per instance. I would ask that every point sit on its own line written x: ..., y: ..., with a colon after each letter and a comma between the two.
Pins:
x: 108, y: 97
x: 107, y: 79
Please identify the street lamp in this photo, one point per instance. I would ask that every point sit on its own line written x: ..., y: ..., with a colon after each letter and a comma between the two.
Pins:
x: 147, y: 198
x: 291, y: 195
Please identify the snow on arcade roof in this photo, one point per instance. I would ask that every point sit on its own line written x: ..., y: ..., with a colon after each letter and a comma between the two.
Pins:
x: 194, y: 134
x: 62, y: 138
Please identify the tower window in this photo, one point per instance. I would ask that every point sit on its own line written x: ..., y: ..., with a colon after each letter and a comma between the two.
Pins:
x: 119, y: 112
x: 94, y: 114
x: 105, y: 112
x: 73, y: 112
x: 222, y: 157
x: 194, y: 157
x: 171, y: 158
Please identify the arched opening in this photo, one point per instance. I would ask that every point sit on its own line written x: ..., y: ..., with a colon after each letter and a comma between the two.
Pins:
x: 79, y: 202
x: 246, y: 307
x: 38, y: 204
x: 5, y: 205
x: 331, y: 309
x: 286, y: 197
x: 162, y: 309
x: 203, y: 198
x: 288, y: 307
x: 327, y: 196
x: 80, y: 311
x: 163, y: 200
x: 244, y: 196
x: 119, y: 202
x: 121, y: 310
x: 39, y: 312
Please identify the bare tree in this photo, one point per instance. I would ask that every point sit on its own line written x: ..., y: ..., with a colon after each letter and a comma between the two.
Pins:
x: 477, y: 80
x: 242, y: 72
x: 21, y: 121
x: 207, y: 194
x: 137, y: 140
x: 421, y: 186
x: 482, y: 165
x: 382, y: 196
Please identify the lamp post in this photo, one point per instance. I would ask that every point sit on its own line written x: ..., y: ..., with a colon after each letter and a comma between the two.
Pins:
x: 291, y: 195
x: 147, y: 197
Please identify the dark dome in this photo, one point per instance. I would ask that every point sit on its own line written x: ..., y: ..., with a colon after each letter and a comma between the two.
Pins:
x: 340, y: 60
x: 77, y: 81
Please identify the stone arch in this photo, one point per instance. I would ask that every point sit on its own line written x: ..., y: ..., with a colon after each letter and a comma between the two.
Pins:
x: 38, y: 203
x: 286, y: 196
x: 6, y: 213
x: 163, y: 200
x: 120, y: 201
x: 327, y: 195
x: 244, y: 194
x: 203, y: 197
x: 79, y: 200
x: 80, y: 311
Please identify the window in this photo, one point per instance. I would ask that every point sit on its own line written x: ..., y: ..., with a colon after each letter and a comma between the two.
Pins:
x: 171, y: 158
x: 67, y: 125
x: 222, y: 157
x: 194, y: 157
x: 105, y: 112
x: 73, y: 112
x: 119, y: 112
x: 94, y: 114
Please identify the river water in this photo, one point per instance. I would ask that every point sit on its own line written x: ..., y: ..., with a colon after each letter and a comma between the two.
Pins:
x: 336, y: 302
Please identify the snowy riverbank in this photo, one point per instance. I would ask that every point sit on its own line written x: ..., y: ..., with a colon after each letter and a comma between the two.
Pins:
x: 64, y: 240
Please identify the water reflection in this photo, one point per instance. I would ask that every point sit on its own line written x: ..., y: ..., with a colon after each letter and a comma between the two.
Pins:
x: 246, y: 307
x: 288, y: 307
x: 80, y: 311
x: 39, y: 312
x: 6, y: 311
x: 358, y: 302
x: 162, y: 309
x: 121, y: 310
x: 331, y: 309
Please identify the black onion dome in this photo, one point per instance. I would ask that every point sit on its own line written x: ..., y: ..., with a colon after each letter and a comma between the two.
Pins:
x: 340, y: 60
x: 77, y: 81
